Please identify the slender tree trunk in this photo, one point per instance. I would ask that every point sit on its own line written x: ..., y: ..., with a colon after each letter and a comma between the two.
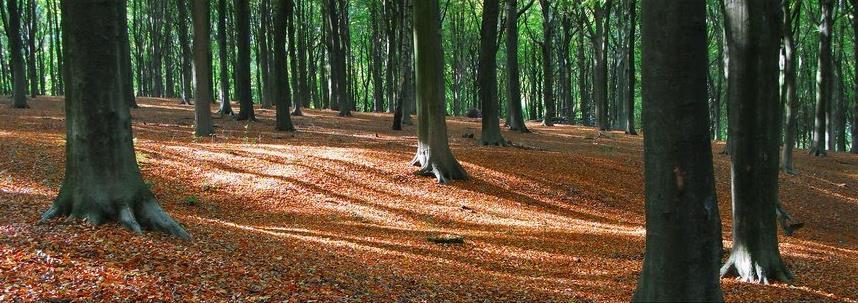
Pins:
x: 185, y: 49
x: 516, y: 113
x: 264, y: 49
x: 102, y: 181
x: 789, y: 84
x: 279, y: 71
x: 683, y: 238
x: 630, y: 52
x: 547, y: 69
x: 16, y: 51
x: 755, y: 133
x: 433, y: 151
x: 293, y: 62
x: 854, y: 149
x: 32, y: 31
x: 223, y: 59
x: 823, y: 79
x: 377, y: 57
x: 600, y: 46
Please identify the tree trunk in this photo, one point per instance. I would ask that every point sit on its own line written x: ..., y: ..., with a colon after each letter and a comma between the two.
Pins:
x: 223, y: 60
x: 630, y: 52
x: 855, y: 83
x: 279, y: 71
x: 185, y: 48
x: 264, y: 49
x: 242, y: 67
x: 683, y: 238
x: 600, y: 48
x: 297, y: 102
x: 547, y: 70
x: 377, y: 57
x: 202, y: 69
x: 102, y: 180
x: 823, y: 79
x: 487, y: 75
x: 32, y: 30
x: 433, y: 151
x: 125, y: 70
x: 16, y: 50
x: 789, y: 84
x: 755, y: 133
x: 516, y: 113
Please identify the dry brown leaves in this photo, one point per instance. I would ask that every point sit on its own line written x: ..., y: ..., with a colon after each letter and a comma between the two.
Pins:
x: 332, y: 213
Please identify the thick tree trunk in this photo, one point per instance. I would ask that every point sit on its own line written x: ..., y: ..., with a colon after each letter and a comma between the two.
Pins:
x: 279, y: 72
x: 202, y: 69
x: 185, y: 49
x: 16, y: 50
x: 755, y: 133
x: 789, y: 85
x: 516, y: 113
x: 487, y: 75
x: 823, y: 79
x: 102, y: 180
x: 223, y: 60
x: 433, y: 150
x: 683, y: 227
x: 547, y: 69
x: 242, y: 67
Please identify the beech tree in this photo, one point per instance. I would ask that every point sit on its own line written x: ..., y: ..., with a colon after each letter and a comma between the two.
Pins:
x: 823, y: 79
x: 102, y: 180
x: 13, y: 32
x: 433, y: 150
x: 202, y: 69
x: 279, y: 72
x: 683, y: 227
x: 516, y: 113
x: 242, y: 66
x: 755, y: 131
x: 789, y: 90
x: 487, y: 75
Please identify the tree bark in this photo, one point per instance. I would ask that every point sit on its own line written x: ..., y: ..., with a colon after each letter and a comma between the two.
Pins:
x: 102, y: 180
x: 185, y: 49
x: 600, y: 47
x: 516, y: 113
x: 297, y: 102
x: 854, y: 149
x: 630, y: 52
x: 279, y: 71
x: 683, y: 238
x: 433, y: 150
x: 823, y: 79
x: 125, y: 70
x: 223, y: 60
x: 16, y: 51
x: 755, y: 133
x: 547, y: 69
x: 487, y: 75
x: 202, y: 69
x: 789, y: 84
x: 242, y: 67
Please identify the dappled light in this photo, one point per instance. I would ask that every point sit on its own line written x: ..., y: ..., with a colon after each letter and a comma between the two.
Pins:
x: 336, y: 209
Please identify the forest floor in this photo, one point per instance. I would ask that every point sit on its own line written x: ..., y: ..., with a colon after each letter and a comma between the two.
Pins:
x: 333, y: 213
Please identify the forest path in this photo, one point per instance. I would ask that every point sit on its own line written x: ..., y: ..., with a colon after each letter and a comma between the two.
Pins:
x: 333, y: 213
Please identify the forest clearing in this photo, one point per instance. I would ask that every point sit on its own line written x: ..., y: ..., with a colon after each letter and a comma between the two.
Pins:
x: 333, y: 213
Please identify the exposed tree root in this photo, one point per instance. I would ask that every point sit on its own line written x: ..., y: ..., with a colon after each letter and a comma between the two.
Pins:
x: 762, y: 270
x: 135, y: 214
x: 442, y: 172
x: 493, y: 142
x: 783, y: 220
